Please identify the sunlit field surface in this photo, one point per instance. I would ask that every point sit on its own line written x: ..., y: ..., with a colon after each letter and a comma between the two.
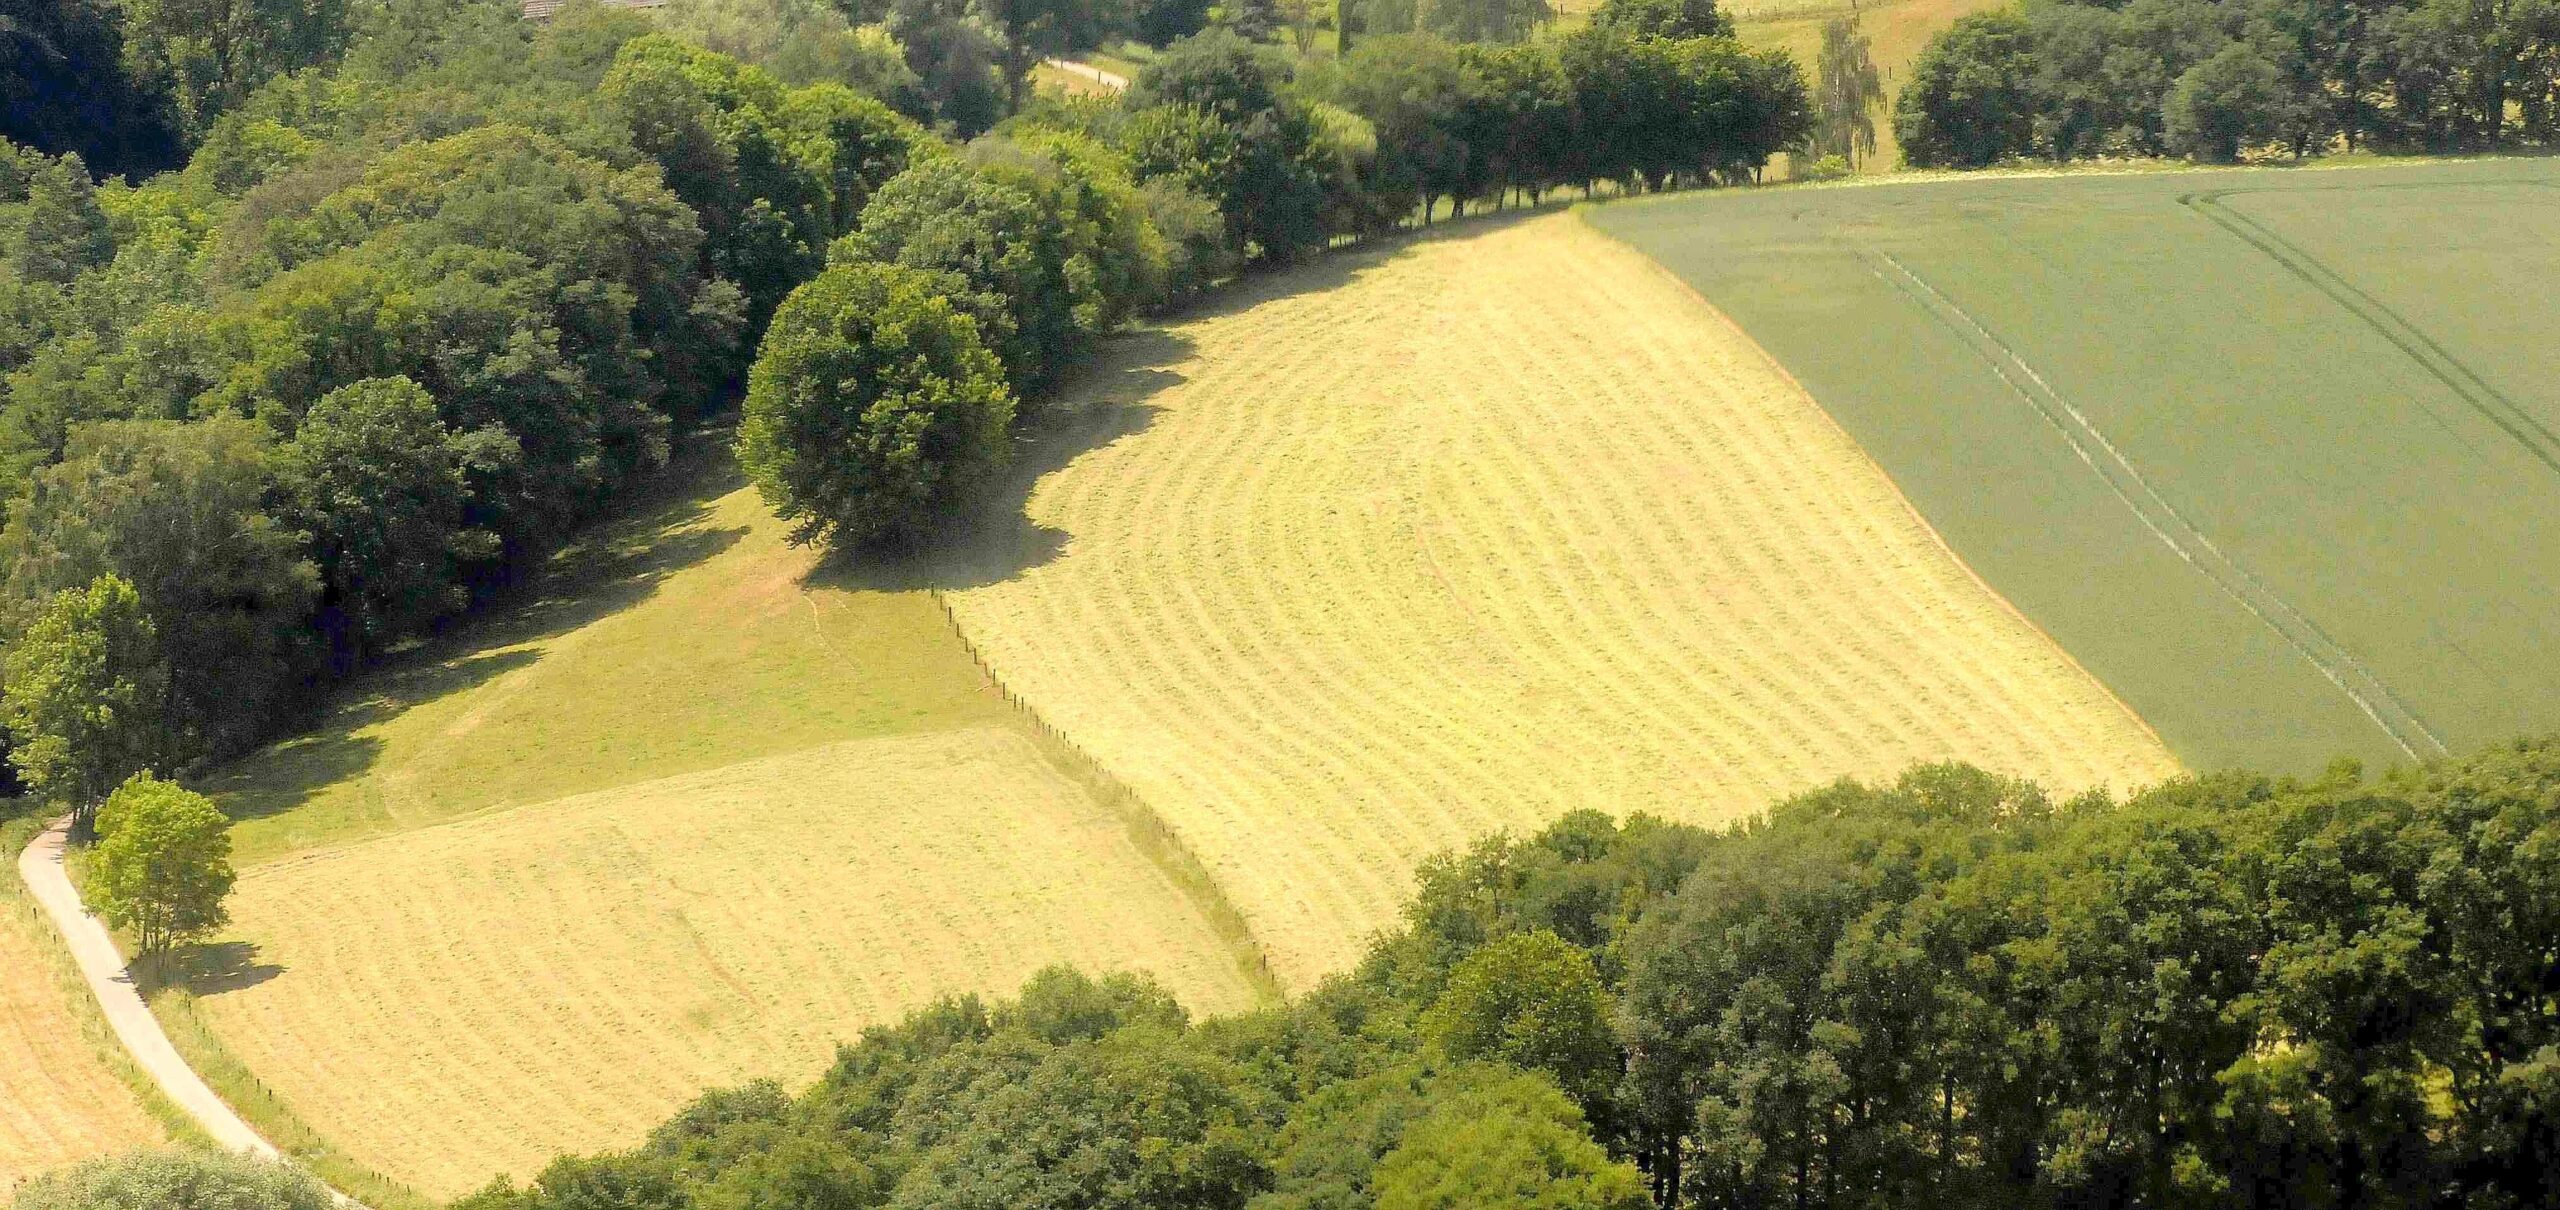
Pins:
x: 2271, y: 452
x: 1454, y: 536
x: 695, y: 814
x: 58, y: 1102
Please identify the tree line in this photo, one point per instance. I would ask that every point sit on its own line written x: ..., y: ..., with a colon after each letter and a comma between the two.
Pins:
x: 2212, y: 79
x: 403, y: 321
x: 1952, y: 990
x: 886, y: 389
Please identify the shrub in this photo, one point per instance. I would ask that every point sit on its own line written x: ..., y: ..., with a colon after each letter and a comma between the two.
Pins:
x: 175, y: 1179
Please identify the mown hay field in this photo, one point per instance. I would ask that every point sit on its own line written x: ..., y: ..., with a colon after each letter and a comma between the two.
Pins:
x: 475, y: 997
x: 59, y: 1102
x: 697, y: 812
x: 1458, y: 535
x: 2272, y: 452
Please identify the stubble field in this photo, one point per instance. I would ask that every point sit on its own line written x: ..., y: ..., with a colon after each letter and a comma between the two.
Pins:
x: 475, y: 997
x: 1421, y: 543
x: 59, y: 1103
x: 2272, y: 452
x: 697, y: 812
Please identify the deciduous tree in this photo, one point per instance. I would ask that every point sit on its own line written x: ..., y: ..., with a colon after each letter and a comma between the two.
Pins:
x: 85, y: 698
x: 163, y: 863
x: 1847, y: 92
x: 381, y: 487
x: 1533, y: 1001
x: 873, y: 408
x: 179, y: 510
x: 1514, y: 1145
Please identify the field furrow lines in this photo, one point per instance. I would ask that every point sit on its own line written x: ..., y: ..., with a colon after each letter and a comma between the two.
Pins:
x: 59, y: 1103
x: 2516, y: 421
x: 1506, y: 525
x: 472, y: 998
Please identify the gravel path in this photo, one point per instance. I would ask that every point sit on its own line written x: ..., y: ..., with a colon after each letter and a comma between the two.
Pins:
x: 104, y: 968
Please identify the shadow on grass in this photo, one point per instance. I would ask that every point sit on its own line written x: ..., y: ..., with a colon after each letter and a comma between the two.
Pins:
x: 210, y: 970
x: 610, y: 568
x: 1110, y: 397
x: 996, y: 540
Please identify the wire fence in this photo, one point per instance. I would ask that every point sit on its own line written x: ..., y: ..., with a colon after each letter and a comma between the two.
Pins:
x: 1148, y: 830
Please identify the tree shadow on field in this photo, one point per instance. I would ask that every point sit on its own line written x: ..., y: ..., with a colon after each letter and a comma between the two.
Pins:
x: 602, y: 571
x: 210, y: 970
x: 1110, y: 397
x: 995, y: 539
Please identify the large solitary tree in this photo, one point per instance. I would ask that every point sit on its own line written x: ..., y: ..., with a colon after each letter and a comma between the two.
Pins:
x: 1847, y: 92
x: 163, y: 863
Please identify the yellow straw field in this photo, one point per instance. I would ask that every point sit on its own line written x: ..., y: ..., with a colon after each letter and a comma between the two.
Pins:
x: 696, y: 810
x: 1460, y: 535
x: 58, y: 1102
x: 465, y: 999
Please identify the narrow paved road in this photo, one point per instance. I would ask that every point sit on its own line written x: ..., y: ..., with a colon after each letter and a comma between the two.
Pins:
x: 104, y: 968
x: 1108, y: 79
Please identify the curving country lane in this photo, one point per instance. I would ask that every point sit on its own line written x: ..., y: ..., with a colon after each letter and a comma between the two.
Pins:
x: 103, y: 967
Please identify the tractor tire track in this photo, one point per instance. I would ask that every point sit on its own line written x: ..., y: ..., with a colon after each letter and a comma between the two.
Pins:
x: 2184, y: 538
x: 2491, y: 403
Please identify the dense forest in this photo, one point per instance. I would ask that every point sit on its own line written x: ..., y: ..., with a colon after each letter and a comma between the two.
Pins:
x: 2228, y: 991
x: 433, y: 284
x: 2211, y: 79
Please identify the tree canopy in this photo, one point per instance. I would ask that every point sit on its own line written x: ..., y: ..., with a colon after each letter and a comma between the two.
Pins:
x: 175, y: 1179
x: 2211, y: 79
x: 85, y: 696
x: 873, y: 409
x: 162, y: 865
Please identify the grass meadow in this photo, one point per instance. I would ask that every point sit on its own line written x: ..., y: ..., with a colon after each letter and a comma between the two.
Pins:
x: 693, y: 812
x: 1468, y: 531
x: 2270, y: 451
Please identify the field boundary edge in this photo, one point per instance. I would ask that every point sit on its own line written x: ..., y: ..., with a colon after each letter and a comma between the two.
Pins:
x: 1919, y: 518
x: 1155, y: 839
